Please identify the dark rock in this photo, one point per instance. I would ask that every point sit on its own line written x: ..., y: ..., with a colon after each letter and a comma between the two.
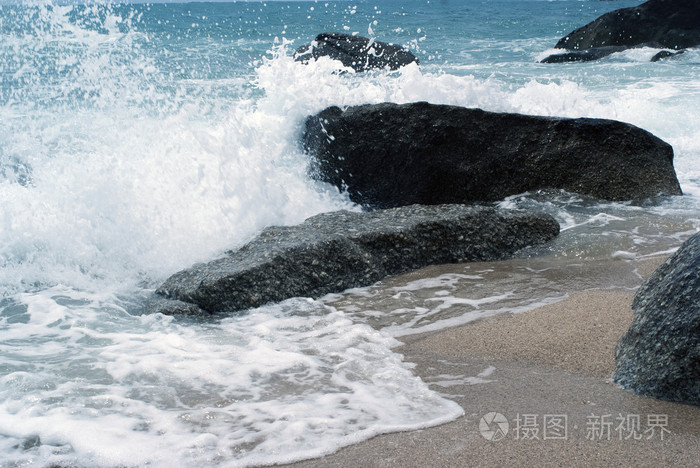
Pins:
x: 359, y: 53
x: 595, y: 53
x: 585, y: 55
x: 335, y: 251
x: 673, y: 24
x: 392, y: 155
x: 664, y: 54
x: 659, y: 356
x: 162, y: 305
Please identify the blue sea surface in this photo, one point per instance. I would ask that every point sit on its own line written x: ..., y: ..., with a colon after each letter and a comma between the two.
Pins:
x: 137, y: 139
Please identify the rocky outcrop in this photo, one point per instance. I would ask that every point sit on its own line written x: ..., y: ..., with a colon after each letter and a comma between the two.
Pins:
x: 392, y: 155
x: 359, y: 53
x: 659, y: 356
x: 334, y: 251
x: 673, y: 24
x: 665, y: 24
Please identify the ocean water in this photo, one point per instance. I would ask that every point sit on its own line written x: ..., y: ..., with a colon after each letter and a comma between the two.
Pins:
x: 138, y: 139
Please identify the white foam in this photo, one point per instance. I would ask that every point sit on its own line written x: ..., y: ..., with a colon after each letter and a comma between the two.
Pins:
x: 598, y: 219
x: 453, y: 380
x: 622, y: 254
x: 275, y: 385
x: 448, y: 280
x: 415, y: 327
x: 120, y: 195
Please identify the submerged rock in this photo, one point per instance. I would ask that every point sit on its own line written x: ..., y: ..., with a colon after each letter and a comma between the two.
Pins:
x: 388, y: 155
x: 595, y: 53
x: 585, y: 55
x: 673, y: 24
x: 664, y: 54
x: 659, y: 356
x: 359, y: 53
x: 335, y: 251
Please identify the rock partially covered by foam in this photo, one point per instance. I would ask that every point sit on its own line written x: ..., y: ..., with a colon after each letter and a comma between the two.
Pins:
x: 665, y: 54
x: 659, y: 356
x: 357, y: 52
x: 335, y: 251
x: 585, y: 55
x: 665, y: 24
x: 388, y: 155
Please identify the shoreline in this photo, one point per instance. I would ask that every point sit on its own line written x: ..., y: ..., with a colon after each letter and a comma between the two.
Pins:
x: 548, y: 369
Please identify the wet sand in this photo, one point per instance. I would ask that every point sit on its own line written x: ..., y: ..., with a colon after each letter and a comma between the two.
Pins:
x: 547, y: 370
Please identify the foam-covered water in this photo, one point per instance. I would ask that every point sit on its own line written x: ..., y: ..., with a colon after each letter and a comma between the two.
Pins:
x: 138, y: 139
x: 101, y: 387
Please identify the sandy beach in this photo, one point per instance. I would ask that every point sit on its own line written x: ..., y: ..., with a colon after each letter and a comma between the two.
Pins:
x: 543, y: 379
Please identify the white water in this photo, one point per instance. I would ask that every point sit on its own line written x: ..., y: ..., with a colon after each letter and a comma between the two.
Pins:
x: 101, y: 387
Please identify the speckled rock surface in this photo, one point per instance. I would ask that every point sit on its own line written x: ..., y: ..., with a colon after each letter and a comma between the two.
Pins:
x: 335, y: 251
x: 659, y: 356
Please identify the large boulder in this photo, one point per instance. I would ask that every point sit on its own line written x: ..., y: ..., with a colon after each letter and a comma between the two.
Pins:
x: 334, y: 251
x: 357, y: 52
x: 659, y: 356
x: 667, y: 24
x: 388, y: 155
x: 672, y: 24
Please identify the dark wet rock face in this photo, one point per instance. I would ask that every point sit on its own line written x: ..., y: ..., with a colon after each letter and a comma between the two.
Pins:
x: 335, y: 251
x: 672, y: 24
x: 389, y: 155
x: 359, y: 53
x: 659, y: 356
x: 661, y: 24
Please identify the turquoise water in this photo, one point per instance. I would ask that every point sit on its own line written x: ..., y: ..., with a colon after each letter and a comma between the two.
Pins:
x: 138, y: 139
